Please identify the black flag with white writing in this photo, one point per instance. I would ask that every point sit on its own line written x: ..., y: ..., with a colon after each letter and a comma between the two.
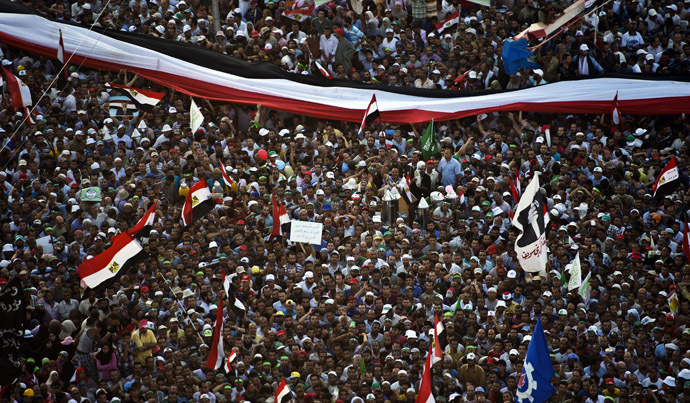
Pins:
x: 12, y: 315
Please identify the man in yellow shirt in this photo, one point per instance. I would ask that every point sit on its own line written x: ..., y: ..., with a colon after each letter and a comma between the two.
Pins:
x: 144, y: 342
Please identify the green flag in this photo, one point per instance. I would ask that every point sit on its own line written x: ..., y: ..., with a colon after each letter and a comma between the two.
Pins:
x: 429, y: 143
x: 585, y: 289
x: 457, y: 305
x: 363, y: 367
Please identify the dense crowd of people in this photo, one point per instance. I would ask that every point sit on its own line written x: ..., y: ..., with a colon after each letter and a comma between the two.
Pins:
x: 349, y: 320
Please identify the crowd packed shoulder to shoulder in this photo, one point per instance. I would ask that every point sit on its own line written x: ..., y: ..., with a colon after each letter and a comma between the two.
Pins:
x: 349, y: 319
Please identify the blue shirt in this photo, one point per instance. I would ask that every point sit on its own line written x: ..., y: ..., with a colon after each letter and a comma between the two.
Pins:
x: 449, y: 170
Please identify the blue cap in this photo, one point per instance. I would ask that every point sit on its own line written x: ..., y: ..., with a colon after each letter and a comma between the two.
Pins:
x: 479, y: 389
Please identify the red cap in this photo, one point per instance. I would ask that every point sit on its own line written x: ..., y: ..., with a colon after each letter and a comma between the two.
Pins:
x: 670, y: 316
x: 340, y: 31
x: 609, y: 381
x: 354, y: 281
x: 352, y: 298
x: 144, y: 289
x: 307, y: 173
x: 636, y: 255
x: 301, y: 352
x: 243, y: 247
x: 240, y: 222
x: 430, y: 162
x: 281, y: 332
x: 246, y: 278
x: 492, y: 249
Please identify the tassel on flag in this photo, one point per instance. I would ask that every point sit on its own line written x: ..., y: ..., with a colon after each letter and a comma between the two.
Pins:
x: 323, y: 71
x: 371, y: 115
x: 616, y: 116
x: 425, y: 395
x: 283, y: 393
x: 217, y: 353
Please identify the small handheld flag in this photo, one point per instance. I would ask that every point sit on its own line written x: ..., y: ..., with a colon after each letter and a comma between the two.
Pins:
x: 371, y: 114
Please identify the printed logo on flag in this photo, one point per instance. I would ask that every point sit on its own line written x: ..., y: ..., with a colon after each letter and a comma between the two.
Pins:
x: 195, y: 200
x: 114, y: 267
x: 527, y: 383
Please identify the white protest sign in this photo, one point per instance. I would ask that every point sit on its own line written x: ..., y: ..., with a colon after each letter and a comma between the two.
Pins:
x: 305, y: 231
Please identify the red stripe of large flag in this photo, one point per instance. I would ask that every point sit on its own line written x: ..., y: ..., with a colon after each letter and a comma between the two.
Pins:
x: 144, y: 225
x: 449, y: 22
x: 19, y: 92
x: 112, y: 262
x: 198, y: 203
x: 217, y: 353
x: 425, y: 395
x: 224, y: 173
x: 668, y: 179
x: 283, y: 393
x: 372, y: 113
x: 145, y: 100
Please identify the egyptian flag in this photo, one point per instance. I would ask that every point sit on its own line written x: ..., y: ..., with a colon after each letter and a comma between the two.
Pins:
x: 280, y: 217
x: 532, y: 219
x: 62, y: 81
x: 668, y: 180
x: 616, y: 116
x: 299, y: 14
x: 226, y: 282
x: 111, y: 263
x: 448, y: 23
x: 143, y: 227
x: 323, y: 71
x: 371, y: 114
x: 224, y: 174
x: 513, y: 190
x: 144, y: 100
x: 283, y: 393
x: 236, y: 305
x: 425, y: 395
x: 217, y: 354
x: 198, y: 203
x: 19, y: 92
x: 228, y: 361
x: 439, y: 340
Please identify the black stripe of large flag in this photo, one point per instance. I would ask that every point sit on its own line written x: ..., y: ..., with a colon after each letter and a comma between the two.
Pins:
x: 143, y: 227
x: 668, y: 180
x: 111, y: 263
x: 145, y: 100
x: 371, y: 114
x: 198, y: 203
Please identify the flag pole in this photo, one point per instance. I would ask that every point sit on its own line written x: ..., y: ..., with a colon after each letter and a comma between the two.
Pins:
x: 178, y: 303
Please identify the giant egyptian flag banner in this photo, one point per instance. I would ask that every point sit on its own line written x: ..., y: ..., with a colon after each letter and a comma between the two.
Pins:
x: 203, y: 73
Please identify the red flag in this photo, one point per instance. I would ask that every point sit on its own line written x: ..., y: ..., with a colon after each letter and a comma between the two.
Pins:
x: 19, y: 92
x: 513, y: 190
x: 217, y: 353
x: 616, y: 116
x: 686, y: 241
x: 280, y: 217
x: 425, y: 395
x: 226, y: 178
